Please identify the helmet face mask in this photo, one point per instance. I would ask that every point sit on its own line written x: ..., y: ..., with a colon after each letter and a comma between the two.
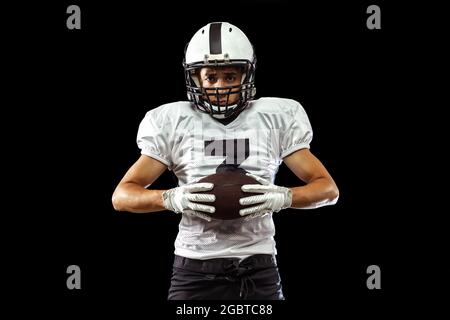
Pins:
x: 220, y: 48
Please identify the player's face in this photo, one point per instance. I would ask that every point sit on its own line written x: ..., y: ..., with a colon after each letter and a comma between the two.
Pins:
x: 218, y: 78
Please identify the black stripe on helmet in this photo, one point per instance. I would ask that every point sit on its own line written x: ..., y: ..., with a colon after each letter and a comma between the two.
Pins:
x: 215, y: 38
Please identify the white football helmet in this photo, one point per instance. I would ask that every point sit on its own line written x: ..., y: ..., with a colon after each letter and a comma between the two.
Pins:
x: 219, y: 44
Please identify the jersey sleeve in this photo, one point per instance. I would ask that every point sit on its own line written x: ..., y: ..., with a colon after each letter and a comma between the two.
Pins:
x: 298, y: 132
x: 153, y: 137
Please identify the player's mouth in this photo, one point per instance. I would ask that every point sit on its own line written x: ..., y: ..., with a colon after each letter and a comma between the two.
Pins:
x: 219, y: 102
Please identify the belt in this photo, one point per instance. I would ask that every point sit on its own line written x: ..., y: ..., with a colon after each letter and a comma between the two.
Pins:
x: 225, y: 265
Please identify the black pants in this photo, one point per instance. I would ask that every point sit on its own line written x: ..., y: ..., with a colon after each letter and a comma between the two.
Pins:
x: 254, y: 278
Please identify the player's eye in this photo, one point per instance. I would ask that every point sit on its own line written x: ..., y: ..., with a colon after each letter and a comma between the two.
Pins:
x: 211, y: 78
x: 231, y: 78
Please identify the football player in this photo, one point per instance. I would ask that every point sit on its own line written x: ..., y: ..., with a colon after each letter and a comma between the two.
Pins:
x: 224, y: 259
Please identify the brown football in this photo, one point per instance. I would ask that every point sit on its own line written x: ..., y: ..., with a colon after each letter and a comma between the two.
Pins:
x: 227, y: 189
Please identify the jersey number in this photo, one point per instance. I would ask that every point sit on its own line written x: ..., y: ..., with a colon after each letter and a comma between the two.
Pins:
x: 235, y: 151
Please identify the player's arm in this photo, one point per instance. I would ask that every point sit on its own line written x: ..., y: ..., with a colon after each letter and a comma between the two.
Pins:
x: 320, y: 188
x: 131, y: 193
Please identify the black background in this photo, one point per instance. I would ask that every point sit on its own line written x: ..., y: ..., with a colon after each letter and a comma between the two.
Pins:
x: 87, y: 90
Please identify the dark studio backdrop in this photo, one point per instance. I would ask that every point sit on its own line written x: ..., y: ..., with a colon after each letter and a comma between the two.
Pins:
x: 93, y: 86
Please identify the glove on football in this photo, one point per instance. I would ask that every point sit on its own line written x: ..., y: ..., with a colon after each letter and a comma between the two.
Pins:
x: 272, y: 199
x: 183, y: 200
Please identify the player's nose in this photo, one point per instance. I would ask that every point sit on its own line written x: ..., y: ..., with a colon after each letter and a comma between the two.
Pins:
x: 220, y: 84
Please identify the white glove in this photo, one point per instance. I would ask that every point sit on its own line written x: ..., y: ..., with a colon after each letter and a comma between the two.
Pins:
x: 272, y: 199
x: 182, y: 200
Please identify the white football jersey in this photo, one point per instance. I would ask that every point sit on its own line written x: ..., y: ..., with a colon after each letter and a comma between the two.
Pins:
x: 194, y: 145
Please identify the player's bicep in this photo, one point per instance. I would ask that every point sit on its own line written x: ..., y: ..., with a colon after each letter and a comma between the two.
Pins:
x: 305, y: 165
x: 144, y: 171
